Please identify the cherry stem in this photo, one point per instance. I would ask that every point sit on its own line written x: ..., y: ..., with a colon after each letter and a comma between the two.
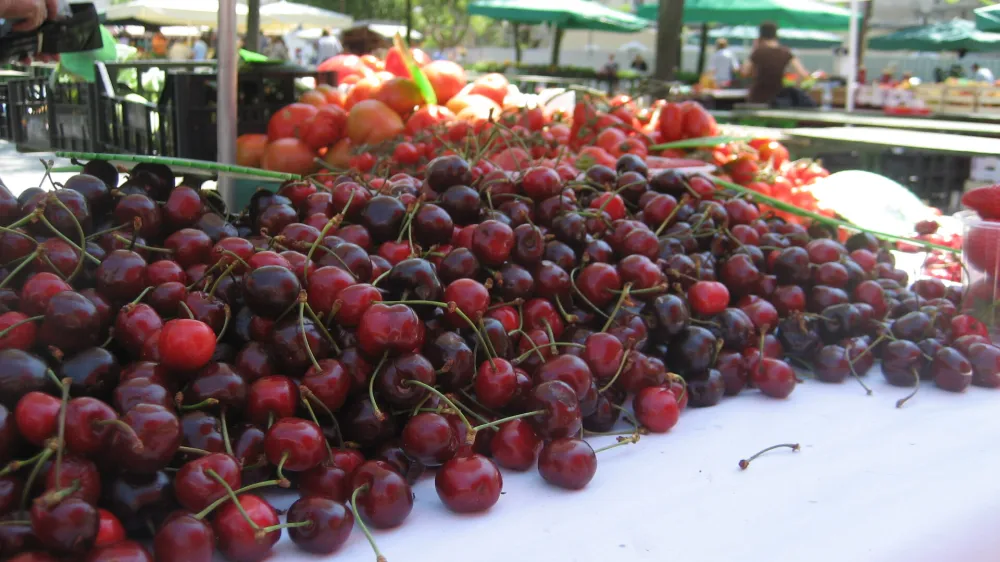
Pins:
x: 452, y: 307
x: 538, y: 349
x: 371, y: 387
x: 27, y: 260
x: 194, y: 451
x: 312, y: 414
x: 305, y: 338
x: 124, y: 428
x: 470, y: 437
x: 579, y: 293
x: 203, y: 404
x: 121, y: 238
x: 187, y: 309
x: 15, y: 522
x: 673, y: 213
x: 634, y: 438
x: 364, y: 528
x: 867, y: 349
x: 551, y: 334
x: 621, y: 367
x: 79, y: 231
x: 281, y: 526
x: 61, y: 439
x: 14, y: 466
x: 225, y: 433
x: 916, y: 378
x: 857, y: 377
x: 230, y: 494
x: 309, y: 394
x: 744, y: 463
x: 618, y: 306
x: 35, y: 470
x: 10, y: 328
x: 222, y: 276
x: 497, y: 423
x: 322, y: 329
x: 637, y: 428
x: 383, y: 275
x: 281, y: 465
x: 225, y: 323
x: 55, y: 497
x: 334, y: 221
x: 141, y: 296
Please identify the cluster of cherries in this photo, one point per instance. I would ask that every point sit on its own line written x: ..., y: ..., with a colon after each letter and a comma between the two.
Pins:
x: 163, y: 360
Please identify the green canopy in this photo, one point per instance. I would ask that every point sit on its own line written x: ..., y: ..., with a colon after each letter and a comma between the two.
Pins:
x: 567, y: 14
x: 954, y: 35
x: 988, y: 18
x: 799, y: 38
x: 802, y: 14
x: 563, y: 14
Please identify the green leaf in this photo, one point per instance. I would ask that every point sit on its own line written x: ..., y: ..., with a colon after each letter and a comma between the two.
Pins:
x: 789, y: 208
x: 699, y: 143
x: 419, y: 78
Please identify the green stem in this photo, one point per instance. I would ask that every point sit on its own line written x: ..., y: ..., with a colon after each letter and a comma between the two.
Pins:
x: 11, y: 328
x: 371, y: 387
x: 27, y: 260
x: 621, y: 367
x: 61, y: 438
x: 248, y: 488
x: 744, y: 463
x: 502, y: 421
x: 305, y: 338
x: 618, y: 306
x: 232, y: 495
x: 470, y: 437
x: 364, y: 528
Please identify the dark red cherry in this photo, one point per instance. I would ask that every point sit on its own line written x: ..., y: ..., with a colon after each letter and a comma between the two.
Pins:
x: 568, y: 463
x: 330, y: 524
x: 469, y: 483
x: 387, y: 499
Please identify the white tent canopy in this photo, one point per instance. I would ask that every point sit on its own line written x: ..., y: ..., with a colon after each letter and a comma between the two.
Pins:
x: 276, y: 17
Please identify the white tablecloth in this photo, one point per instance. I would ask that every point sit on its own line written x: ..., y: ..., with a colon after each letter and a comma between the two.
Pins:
x: 872, y: 483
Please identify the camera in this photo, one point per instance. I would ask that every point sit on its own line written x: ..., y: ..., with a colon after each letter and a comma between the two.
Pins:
x: 79, y: 31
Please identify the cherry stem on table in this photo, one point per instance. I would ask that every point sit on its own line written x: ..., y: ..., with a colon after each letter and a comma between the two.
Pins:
x: 744, y: 463
x: 364, y: 528
x: 634, y: 438
x: 916, y: 378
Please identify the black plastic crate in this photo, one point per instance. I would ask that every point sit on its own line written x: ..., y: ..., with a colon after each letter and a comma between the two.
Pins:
x: 931, y: 177
x: 6, y: 133
x: 193, y: 98
x: 840, y: 161
x: 72, y: 116
x: 131, y: 127
x: 28, y: 110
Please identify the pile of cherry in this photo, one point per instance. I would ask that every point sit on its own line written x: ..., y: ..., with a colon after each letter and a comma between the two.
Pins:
x: 163, y: 362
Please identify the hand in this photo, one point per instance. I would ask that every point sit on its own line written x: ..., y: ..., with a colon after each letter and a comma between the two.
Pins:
x: 28, y: 14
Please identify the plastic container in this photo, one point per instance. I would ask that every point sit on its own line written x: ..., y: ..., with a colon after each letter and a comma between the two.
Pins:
x: 981, y: 276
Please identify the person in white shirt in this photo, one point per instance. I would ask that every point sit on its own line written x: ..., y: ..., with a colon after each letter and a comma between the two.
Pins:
x: 328, y: 46
x: 723, y: 64
x: 982, y: 74
x: 179, y: 51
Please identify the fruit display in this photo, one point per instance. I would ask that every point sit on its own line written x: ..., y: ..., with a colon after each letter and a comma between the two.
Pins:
x: 981, y: 253
x: 164, y: 361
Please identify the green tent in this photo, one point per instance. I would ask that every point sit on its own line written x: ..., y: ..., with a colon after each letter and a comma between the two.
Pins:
x: 988, y: 18
x: 954, y: 35
x: 798, y: 38
x: 563, y: 14
x: 802, y: 14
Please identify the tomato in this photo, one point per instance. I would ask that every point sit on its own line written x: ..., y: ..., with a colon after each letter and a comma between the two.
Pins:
x: 671, y: 123
x: 286, y: 122
x: 325, y: 128
x: 512, y: 159
x: 339, y: 155
x: 345, y: 65
x: 593, y: 155
x: 401, y: 94
x: 460, y: 103
x: 610, y: 140
x: 560, y: 133
x: 313, y: 97
x: 533, y: 118
x: 761, y: 187
x: 406, y: 153
x: 447, y: 79
x: 743, y: 169
x: 373, y: 62
x: 773, y: 152
x: 633, y: 146
x: 428, y: 116
x: 493, y: 86
x: 698, y: 123
x: 372, y: 122
x: 250, y: 149
x: 363, y: 162
x: 333, y: 94
x: 363, y: 89
x: 289, y: 155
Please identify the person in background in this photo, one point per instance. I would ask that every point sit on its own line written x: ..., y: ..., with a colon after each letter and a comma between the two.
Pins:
x: 982, y: 74
x: 766, y: 66
x: 159, y: 45
x: 940, y: 75
x: 610, y: 68
x: 200, y: 50
x: 328, y: 46
x: 639, y: 64
x: 179, y: 51
x: 276, y: 49
x: 723, y: 65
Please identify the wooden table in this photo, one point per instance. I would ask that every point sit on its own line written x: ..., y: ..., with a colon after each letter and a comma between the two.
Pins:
x: 867, y: 119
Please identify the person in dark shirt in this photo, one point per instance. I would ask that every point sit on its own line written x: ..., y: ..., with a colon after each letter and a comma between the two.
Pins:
x: 766, y: 66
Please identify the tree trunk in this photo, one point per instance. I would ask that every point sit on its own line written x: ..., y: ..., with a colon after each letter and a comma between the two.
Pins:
x: 702, y: 47
x: 556, y: 44
x: 866, y: 24
x: 516, y: 28
x: 252, y: 42
x: 409, y: 20
x: 668, y: 38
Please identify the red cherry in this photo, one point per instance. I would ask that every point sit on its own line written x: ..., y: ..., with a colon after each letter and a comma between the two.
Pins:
x: 394, y: 328
x: 295, y: 444
x: 773, y: 377
x: 656, y: 408
x: 110, y: 529
x: 469, y: 483
x: 196, y: 489
x: 186, y: 345
x: 495, y: 384
x: 492, y: 242
x: 330, y: 524
x: 37, y: 417
x: 568, y: 463
x: 20, y: 337
x: 429, y: 438
x: 515, y: 445
x: 271, y: 398
x: 182, y: 538
x: 388, y: 499
x: 237, y: 540
x: 469, y: 296
x: 708, y: 298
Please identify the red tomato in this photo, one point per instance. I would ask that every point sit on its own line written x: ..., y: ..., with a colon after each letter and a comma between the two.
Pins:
x: 671, y: 122
x: 324, y: 128
x: 773, y: 152
x: 287, y: 121
x: 698, y: 123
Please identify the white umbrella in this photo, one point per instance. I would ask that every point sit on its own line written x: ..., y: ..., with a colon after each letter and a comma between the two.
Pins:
x: 175, y: 12
x: 633, y: 46
x: 286, y: 16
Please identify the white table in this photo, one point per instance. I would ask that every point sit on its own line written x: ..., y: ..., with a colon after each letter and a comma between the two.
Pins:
x: 872, y: 483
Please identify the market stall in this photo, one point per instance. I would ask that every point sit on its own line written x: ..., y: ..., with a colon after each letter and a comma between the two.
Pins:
x: 604, y: 331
